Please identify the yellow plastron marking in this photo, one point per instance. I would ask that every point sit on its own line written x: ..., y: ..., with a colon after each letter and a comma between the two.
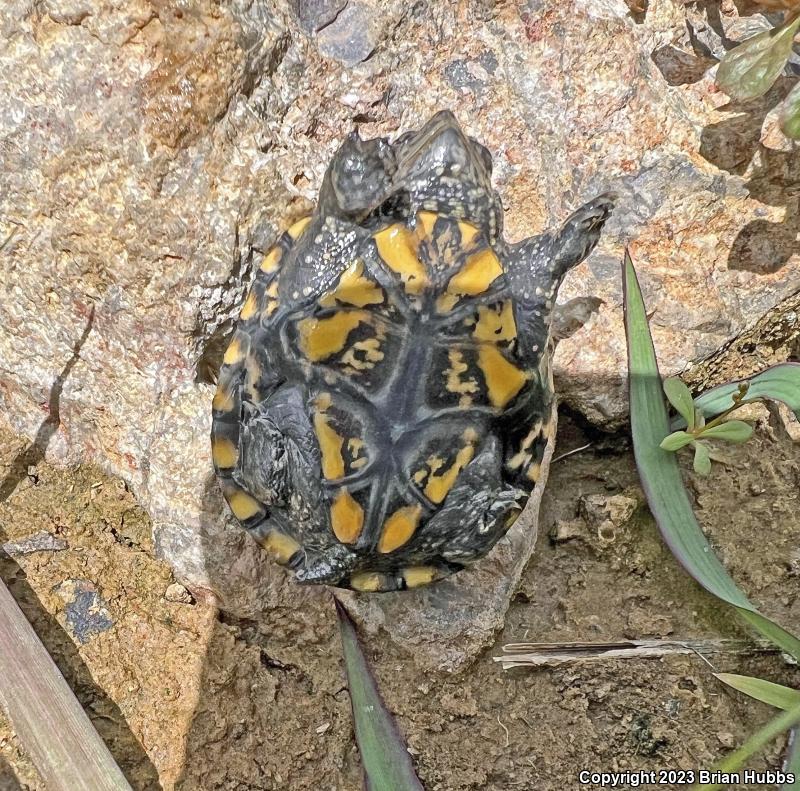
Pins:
x: 296, y: 230
x: 454, y: 383
x: 243, y: 505
x: 223, y: 398
x: 224, y: 453
x: 496, y: 325
x: 397, y: 247
x: 522, y: 456
x: 280, y: 546
x: 503, y: 380
x: 399, y: 528
x: 372, y: 354
x: 330, y: 445
x: 534, y: 471
x: 354, y: 289
x: 480, y: 270
x: 252, y: 377
x: 416, y: 576
x: 468, y: 232
x: 271, y: 301
x: 347, y: 518
x: 237, y: 349
x: 369, y: 582
x: 439, y: 485
x: 250, y: 306
x: 446, y: 302
x: 426, y: 219
x: 320, y: 338
x: 271, y: 260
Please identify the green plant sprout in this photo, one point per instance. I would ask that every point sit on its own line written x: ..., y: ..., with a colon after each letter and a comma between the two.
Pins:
x: 750, y: 69
x: 670, y: 505
x: 697, y: 430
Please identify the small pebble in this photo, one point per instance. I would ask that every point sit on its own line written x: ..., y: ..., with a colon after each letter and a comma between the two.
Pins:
x: 177, y: 593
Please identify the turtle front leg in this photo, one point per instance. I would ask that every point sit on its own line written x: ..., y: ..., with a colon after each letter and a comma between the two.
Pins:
x: 535, y: 267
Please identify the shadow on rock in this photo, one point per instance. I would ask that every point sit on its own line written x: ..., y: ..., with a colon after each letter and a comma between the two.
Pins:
x: 772, y: 177
x: 103, y: 712
x: 8, y: 780
x: 272, y: 682
x: 34, y: 452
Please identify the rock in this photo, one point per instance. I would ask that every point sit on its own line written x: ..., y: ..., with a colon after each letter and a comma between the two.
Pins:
x: 313, y: 15
x: 37, y: 542
x: 789, y: 422
x: 86, y: 613
x: 151, y: 152
x: 351, y: 37
x: 178, y: 594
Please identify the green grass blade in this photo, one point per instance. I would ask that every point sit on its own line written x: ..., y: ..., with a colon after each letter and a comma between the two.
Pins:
x: 47, y: 717
x: 778, y: 383
x: 772, y: 694
x: 790, y: 114
x: 387, y: 764
x: 792, y: 763
x: 660, y: 474
x: 759, y: 740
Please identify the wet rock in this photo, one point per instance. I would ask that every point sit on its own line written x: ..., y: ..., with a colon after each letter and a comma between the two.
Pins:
x: 151, y: 153
x: 85, y: 611
x: 37, y: 542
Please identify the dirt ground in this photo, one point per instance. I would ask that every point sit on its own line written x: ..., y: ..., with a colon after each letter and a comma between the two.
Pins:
x: 190, y: 699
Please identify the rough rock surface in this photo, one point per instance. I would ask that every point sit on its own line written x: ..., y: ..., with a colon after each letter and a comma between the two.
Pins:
x: 150, y: 152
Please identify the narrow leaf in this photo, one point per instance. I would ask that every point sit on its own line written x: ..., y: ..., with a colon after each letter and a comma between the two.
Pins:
x: 387, y: 764
x: 772, y: 694
x: 792, y: 763
x: 731, y: 431
x: 680, y: 397
x: 790, y: 114
x: 702, y: 459
x: 759, y: 740
x: 677, y: 440
x: 660, y: 475
x: 751, y: 68
x: 778, y: 383
x: 46, y: 715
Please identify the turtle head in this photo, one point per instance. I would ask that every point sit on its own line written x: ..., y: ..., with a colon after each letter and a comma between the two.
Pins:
x: 444, y: 170
x: 358, y: 179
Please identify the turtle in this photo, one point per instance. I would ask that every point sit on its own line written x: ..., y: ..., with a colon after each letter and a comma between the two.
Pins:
x: 385, y: 400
